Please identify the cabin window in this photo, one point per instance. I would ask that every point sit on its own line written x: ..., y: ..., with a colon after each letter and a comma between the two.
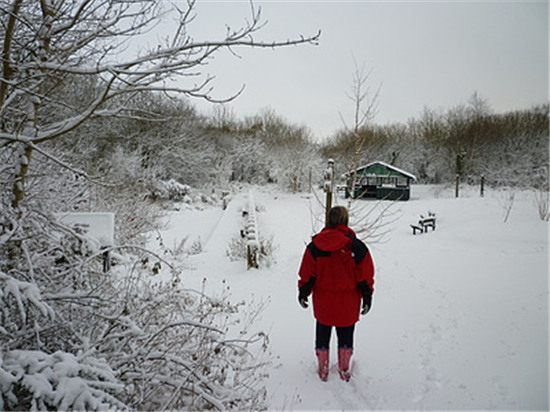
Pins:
x: 387, y: 181
x: 402, y: 181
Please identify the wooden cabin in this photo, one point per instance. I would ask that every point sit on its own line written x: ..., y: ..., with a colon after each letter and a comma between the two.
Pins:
x: 381, y: 181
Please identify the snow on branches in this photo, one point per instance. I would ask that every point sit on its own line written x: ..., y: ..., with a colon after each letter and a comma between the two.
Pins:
x: 60, y: 381
x: 22, y: 305
x: 73, y: 337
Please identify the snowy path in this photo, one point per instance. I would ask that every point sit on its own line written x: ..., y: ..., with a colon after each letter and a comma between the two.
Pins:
x: 459, y: 318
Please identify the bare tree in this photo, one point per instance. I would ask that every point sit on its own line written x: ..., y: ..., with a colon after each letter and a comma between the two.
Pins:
x: 370, y: 220
x: 365, y: 108
x: 51, y: 45
x: 479, y: 109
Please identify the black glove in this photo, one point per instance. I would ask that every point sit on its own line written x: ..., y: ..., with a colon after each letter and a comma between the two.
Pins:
x: 366, y: 305
x: 305, y: 290
x: 366, y: 292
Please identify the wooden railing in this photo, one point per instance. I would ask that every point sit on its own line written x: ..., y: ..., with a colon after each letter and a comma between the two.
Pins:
x: 252, y: 235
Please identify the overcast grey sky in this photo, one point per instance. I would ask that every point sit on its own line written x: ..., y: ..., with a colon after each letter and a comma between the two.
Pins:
x: 433, y: 54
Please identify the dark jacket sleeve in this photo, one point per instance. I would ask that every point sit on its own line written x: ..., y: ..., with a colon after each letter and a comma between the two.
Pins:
x: 305, y: 290
x: 364, y: 289
x: 365, y: 281
x: 364, y: 267
x: 307, y: 273
x: 365, y: 271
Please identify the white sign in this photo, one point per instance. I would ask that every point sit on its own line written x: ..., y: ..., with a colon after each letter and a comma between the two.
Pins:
x: 97, y: 226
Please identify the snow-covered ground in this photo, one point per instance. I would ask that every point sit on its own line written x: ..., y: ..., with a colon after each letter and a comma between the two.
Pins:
x: 459, y: 317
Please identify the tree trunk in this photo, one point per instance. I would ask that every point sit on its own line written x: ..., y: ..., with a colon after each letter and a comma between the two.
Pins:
x: 21, y: 177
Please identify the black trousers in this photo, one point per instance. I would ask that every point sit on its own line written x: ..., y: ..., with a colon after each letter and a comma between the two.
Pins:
x: 323, y: 332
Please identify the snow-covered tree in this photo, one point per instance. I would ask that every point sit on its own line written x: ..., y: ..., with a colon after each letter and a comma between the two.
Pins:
x: 73, y: 337
x: 289, y: 148
x: 50, y: 45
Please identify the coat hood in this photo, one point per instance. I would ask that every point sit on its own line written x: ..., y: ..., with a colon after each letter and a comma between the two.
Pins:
x: 331, y: 239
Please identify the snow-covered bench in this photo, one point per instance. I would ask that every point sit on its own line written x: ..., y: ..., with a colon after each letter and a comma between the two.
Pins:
x: 424, y: 223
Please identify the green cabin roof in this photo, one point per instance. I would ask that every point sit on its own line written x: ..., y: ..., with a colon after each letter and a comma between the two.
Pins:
x: 382, y: 169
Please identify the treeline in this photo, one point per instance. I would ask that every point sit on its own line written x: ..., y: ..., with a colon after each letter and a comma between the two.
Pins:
x: 174, y: 141
x: 162, y: 139
x: 509, y: 149
x: 119, y: 164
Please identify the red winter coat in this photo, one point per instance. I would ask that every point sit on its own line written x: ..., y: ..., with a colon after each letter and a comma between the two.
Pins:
x: 333, y: 265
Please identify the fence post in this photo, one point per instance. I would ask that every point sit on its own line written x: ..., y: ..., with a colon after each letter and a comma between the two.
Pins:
x: 329, y: 187
x: 482, y: 189
x: 457, y: 184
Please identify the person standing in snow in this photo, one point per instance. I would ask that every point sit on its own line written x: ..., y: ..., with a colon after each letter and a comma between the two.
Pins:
x: 338, y: 270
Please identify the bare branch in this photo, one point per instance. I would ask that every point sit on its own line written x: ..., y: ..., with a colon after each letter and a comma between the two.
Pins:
x: 69, y: 167
x: 7, y: 69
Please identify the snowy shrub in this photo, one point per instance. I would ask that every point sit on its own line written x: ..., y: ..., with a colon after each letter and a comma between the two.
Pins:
x: 74, y: 337
x: 196, y: 247
x: 177, y: 252
x: 267, y: 250
x: 22, y: 307
x: 186, y: 353
x: 171, y: 190
x: 542, y: 202
x: 506, y: 201
x: 237, y: 249
x: 180, y: 250
x: 34, y: 380
x: 541, y: 188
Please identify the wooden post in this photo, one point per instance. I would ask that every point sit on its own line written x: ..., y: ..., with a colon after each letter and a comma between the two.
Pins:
x: 106, y: 261
x: 329, y: 188
x: 456, y: 185
x: 328, y: 206
x: 482, y: 189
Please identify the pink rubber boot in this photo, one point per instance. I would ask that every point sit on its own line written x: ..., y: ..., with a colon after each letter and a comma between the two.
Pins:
x: 322, y: 356
x: 344, y: 356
